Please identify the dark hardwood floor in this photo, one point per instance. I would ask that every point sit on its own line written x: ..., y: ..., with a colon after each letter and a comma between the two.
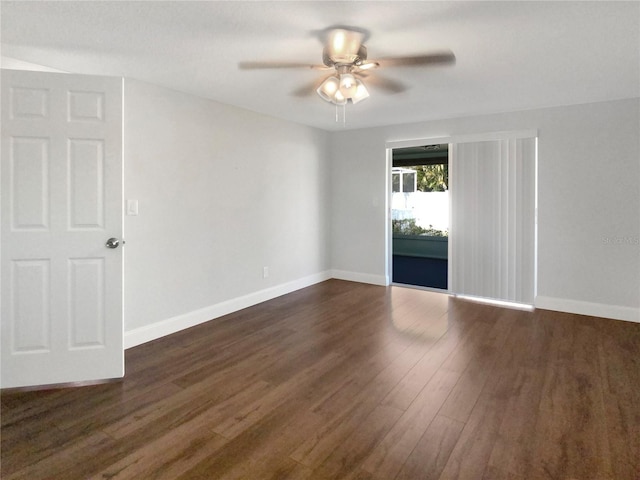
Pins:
x: 345, y: 380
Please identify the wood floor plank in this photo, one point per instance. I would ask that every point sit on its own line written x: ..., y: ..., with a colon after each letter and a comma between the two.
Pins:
x: 513, y: 453
x: 261, y: 452
x: 248, y: 361
x: 245, y: 418
x: 188, y: 406
x: 344, y: 380
x: 50, y: 437
x: 387, y: 458
x: 363, y: 389
x: 166, y: 457
x: 210, y: 358
x: 430, y: 455
x: 343, y: 461
x: 572, y: 401
x: 472, y: 451
x: 234, y: 386
x: 375, y: 373
x: 113, y: 409
x: 293, y: 471
x: 373, y: 365
x: 64, y: 463
x: 412, y: 384
x: 283, y: 429
x: 334, y: 433
x: 359, y: 475
x: 620, y: 370
x: 36, y: 407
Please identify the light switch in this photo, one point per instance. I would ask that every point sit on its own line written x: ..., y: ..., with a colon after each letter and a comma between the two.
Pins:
x: 132, y: 207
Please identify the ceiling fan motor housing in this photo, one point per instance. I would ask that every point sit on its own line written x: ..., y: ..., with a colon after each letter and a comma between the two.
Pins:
x: 344, y: 58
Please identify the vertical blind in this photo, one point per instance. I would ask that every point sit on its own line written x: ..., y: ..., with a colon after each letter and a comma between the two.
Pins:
x: 493, y: 219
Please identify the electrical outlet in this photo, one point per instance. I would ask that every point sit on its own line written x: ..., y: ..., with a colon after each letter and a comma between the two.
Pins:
x: 265, y: 272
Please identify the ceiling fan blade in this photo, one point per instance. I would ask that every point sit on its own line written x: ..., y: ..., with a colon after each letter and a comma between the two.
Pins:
x: 384, y: 83
x: 307, y: 89
x: 363, y: 67
x: 266, y: 65
x: 436, y: 58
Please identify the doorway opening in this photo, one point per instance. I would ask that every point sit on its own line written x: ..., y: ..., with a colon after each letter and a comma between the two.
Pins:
x: 420, y: 216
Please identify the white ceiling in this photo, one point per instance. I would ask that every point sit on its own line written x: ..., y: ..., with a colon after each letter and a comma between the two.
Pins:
x: 510, y: 55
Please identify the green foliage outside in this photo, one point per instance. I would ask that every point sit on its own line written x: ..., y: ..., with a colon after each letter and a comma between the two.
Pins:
x: 432, y: 178
x: 407, y: 226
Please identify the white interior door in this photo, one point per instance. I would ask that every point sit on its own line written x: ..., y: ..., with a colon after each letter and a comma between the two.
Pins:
x: 61, y: 178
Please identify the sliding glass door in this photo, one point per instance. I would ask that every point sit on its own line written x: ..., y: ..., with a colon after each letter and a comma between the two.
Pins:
x: 493, y: 218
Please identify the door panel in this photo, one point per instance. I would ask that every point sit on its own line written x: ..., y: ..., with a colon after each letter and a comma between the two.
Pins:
x: 493, y: 212
x: 61, y: 178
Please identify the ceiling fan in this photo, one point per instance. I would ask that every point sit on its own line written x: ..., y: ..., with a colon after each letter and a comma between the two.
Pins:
x: 345, y: 54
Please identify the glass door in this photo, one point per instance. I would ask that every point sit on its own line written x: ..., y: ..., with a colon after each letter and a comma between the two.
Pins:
x: 420, y: 215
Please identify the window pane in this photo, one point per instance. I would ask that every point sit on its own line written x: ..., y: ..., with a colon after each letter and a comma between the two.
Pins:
x: 395, y: 182
x: 408, y: 182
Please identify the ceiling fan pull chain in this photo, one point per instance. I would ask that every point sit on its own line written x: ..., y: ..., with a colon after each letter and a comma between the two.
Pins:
x: 344, y: 114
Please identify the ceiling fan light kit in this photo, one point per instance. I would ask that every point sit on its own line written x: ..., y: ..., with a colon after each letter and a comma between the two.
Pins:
x: 342, y: 88
x: 347, y: 85
x: 327, y: 89
x: 361, y: 92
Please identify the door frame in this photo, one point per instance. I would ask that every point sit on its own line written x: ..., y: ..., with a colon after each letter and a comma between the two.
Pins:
x: 390, y: 146
x: 453, y: 139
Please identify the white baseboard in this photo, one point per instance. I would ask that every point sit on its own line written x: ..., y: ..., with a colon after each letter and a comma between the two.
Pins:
x: 615, y: 312
x: 160, y: 329
x: 360, y: 277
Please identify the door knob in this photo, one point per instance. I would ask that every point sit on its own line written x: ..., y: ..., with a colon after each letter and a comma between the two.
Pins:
x: 112, y: 243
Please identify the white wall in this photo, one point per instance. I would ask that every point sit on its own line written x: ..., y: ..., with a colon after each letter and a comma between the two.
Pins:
x: 222, y: 193
x: 589, y: 201
x: 16, y: 64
